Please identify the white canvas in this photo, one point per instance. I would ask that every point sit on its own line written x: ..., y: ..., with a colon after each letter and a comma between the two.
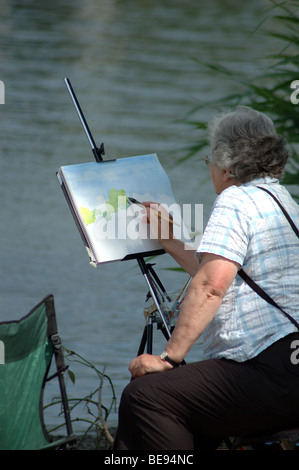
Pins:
x: 112, y: 228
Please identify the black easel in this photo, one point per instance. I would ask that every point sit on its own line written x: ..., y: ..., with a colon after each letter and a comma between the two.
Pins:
x: 157, y: 312
x: 97, y: 152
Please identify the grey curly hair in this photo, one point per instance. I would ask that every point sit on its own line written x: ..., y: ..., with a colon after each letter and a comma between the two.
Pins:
x: 246, y: 143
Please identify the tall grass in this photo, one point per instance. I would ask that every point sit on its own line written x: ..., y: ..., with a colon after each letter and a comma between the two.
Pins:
x: 270, y: 91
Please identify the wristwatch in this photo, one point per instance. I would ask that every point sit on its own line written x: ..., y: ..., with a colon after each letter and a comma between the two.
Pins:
x: 164, y: 356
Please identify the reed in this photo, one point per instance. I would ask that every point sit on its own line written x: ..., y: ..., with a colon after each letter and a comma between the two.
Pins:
x: 270, y: 92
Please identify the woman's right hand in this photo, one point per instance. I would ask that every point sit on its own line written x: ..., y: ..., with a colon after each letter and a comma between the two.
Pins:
x: 161, y: 229
x: 159, y: 220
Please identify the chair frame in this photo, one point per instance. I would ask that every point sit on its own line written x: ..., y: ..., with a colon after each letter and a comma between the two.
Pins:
x: 60, y: 367
x: 68, y: 441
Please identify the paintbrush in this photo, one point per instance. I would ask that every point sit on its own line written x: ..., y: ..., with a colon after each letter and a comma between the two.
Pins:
x: 134, y: 201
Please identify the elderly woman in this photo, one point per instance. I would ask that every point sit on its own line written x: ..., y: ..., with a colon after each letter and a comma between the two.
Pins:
x: 249, y: 383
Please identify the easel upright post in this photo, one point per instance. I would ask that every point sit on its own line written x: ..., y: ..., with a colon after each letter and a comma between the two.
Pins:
x: 146, y: 270
x: 97, y: 152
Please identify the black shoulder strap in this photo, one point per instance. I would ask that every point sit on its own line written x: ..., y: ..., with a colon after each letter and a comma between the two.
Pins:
x: 265, y: 296
x: 283, y: 210
x: 257, y: 288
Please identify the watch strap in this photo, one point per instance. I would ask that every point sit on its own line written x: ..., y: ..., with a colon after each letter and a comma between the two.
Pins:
x: 164, y: 356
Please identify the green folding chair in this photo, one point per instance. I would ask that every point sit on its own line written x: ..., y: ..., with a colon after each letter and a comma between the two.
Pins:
x: 28, y: 346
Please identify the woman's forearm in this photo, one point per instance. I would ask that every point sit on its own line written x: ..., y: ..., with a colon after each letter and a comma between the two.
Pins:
x: 201, y: 303
x: 199, y: 307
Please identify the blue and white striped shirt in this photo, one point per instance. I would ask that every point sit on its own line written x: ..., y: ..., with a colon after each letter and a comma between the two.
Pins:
x: 248, y: 227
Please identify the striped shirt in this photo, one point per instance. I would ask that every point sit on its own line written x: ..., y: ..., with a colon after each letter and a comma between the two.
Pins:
x: 248, y: 227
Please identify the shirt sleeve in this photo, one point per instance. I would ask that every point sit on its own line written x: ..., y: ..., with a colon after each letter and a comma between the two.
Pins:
x: 227, y: 231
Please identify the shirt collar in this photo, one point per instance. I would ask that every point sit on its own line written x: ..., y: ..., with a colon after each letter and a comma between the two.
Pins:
x: 257, y: 181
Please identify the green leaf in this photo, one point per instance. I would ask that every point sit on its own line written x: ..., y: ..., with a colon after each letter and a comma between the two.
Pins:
x: 72, y: 376
x: 289, y: 19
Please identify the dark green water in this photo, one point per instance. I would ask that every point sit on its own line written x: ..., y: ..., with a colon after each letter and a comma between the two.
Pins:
x: 132, y: 66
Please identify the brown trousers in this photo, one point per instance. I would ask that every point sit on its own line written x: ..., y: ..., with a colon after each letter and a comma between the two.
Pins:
x: 195, y: 406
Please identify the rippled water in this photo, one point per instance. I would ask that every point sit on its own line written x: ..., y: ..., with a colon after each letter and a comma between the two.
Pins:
x: 132, y: 65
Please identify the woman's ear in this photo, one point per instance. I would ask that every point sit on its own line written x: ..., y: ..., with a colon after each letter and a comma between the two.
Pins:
x: 227, y: 175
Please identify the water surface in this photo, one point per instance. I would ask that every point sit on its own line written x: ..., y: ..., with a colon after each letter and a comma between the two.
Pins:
x: 133, y: 67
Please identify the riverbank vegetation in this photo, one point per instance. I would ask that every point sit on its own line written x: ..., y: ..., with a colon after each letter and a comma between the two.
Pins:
x: 89, y: 412
x: 275, y: 91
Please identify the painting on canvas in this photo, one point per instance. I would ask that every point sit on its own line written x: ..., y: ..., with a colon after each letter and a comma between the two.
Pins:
x: 101, y: 195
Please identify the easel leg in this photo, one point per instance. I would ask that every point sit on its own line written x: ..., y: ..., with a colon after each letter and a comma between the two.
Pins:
x: 147, y: 338
x: 154, y: 294
x: 150, y: 335
x: 142, y: 342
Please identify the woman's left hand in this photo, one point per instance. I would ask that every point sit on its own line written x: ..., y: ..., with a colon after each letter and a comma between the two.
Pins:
x: 147, y: 364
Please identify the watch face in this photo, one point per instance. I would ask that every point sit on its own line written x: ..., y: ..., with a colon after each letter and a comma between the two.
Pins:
x: 163, y: 355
